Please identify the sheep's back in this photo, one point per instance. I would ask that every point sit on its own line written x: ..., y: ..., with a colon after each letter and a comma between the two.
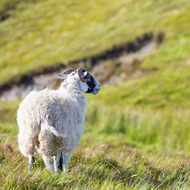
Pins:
x: 60, y: 110
x: 66, y: 115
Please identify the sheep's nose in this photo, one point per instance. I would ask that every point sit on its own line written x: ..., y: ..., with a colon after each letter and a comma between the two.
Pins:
x: 98, y: 87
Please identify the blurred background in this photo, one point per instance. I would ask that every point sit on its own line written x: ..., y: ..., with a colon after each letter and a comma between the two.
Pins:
x: 138, y: 50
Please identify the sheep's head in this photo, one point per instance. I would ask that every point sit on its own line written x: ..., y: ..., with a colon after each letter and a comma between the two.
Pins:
x: 82, y: 79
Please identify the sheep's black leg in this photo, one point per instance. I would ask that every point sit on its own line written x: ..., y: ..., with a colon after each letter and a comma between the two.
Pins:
x: 31, y: 162
x: 58, y: 161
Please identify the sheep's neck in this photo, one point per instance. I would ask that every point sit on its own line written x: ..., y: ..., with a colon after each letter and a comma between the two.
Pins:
x: 75, y: 95
x: 80, y: 98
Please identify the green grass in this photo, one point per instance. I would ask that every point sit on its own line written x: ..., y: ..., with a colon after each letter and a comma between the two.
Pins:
x: 137, y: 132
x: 93, y: 168
x: 122, y: 147
x: 146, y: 129
x: 37, y: 35
x: 143, y: 128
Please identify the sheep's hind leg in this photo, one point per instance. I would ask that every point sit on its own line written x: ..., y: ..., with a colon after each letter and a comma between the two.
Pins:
x: 66, y: 161
x: 31, y: 162
x: 48, y: 162
x: 46, y: 140
x: 58, y: 161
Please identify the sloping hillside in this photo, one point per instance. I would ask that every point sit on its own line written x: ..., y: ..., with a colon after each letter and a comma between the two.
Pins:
x: 137, y: 131
x: 37, y: 34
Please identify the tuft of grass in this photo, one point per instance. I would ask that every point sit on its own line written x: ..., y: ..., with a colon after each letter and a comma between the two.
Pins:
x: 92, y: 168
x: 147, y: 128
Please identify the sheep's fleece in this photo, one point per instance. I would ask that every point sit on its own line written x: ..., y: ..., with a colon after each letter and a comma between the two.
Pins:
x: 51, y: 122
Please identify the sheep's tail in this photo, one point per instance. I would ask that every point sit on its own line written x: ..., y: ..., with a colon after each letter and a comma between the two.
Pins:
x: 46, y: 126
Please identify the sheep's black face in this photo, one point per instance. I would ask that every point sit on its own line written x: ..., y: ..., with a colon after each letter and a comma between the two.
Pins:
x: 88, y: 84
x: 93, y: 86
x: 92, y: 83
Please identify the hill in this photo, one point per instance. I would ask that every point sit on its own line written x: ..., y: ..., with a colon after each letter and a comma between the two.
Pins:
x: 143, y: 120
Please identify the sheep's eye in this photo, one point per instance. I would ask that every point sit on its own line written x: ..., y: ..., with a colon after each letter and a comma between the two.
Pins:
x: 88, y: 76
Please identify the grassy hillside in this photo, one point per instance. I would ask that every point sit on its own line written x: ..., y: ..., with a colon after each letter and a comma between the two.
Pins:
x: 42, y: 33
x: 137, y: 132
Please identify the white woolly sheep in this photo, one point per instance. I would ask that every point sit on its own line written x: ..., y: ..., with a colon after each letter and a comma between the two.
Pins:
x: 51, y: 122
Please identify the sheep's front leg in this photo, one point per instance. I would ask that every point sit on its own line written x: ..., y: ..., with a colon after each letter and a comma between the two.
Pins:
x: 66, y: 161
x: 31, y: 162
x: 58, y: 161
x: 48, y: 162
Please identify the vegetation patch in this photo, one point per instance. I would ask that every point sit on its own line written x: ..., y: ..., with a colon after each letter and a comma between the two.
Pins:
x: 137, y: 132
x: 7, y: 8
x: 93, y: 169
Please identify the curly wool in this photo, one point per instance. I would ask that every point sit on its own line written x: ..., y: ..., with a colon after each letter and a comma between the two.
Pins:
x: 62, y: 111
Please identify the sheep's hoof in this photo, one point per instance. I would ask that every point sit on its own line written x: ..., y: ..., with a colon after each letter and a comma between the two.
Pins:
x: 30, y: 166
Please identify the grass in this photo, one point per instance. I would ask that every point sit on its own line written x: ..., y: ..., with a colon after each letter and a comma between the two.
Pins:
x: 35, y: 37
x: 93, y: 168
x: 143, y: 128
x: 137, y: 132
x: 122, y: 147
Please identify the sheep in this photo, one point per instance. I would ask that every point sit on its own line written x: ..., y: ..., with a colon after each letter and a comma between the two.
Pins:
x: 51, y: 122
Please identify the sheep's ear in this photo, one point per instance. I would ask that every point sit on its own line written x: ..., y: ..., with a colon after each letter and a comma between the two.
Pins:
x: 61, y: 76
